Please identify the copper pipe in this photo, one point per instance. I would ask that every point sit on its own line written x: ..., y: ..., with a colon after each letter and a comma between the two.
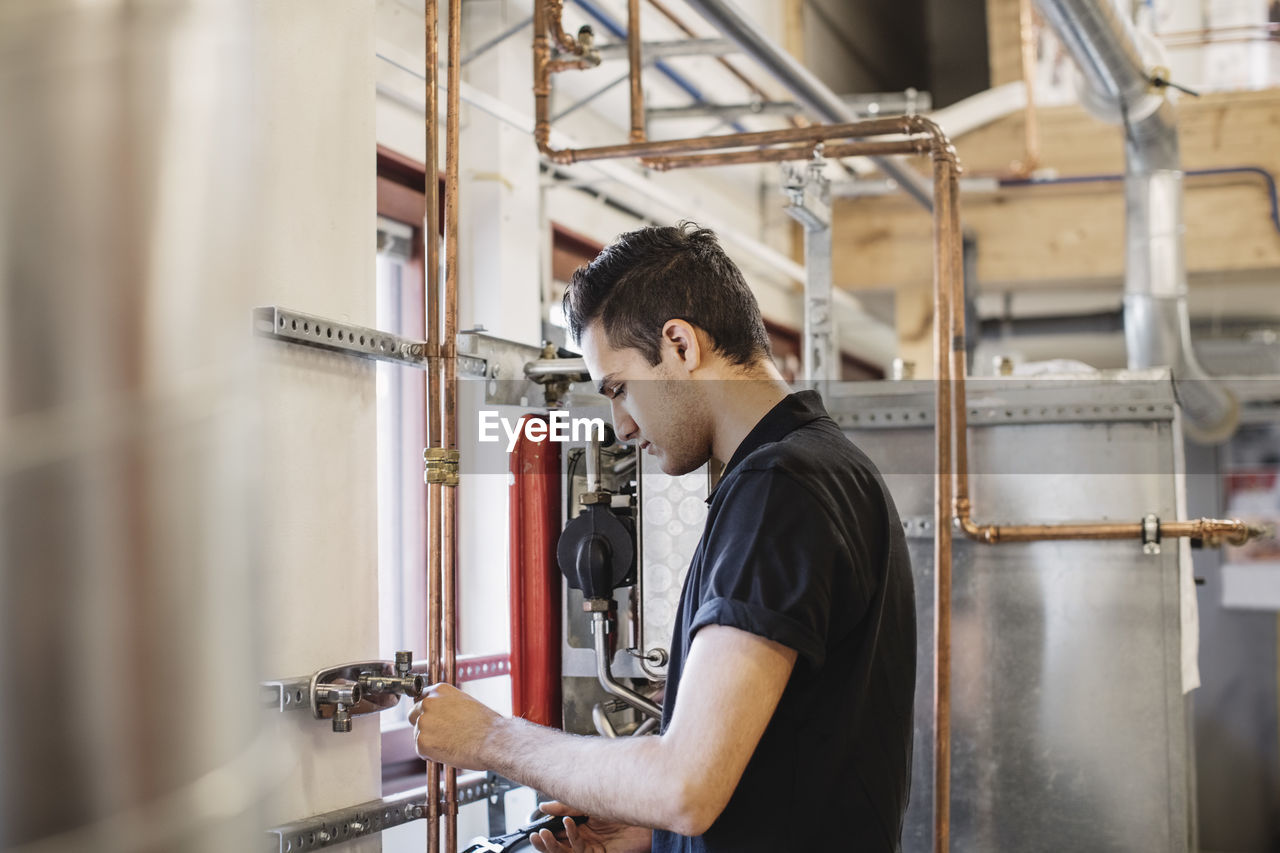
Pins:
x: 555, y: 66
x: 431, y: 228
x: 914, y: 145
x: 541, y: 77
x: 946, y: 236
x: 633, y: 56
x: 1205, y: 32
x: 1209, y: 530
x: 1253, y: 39
x: 564, y: 41
x: 905, y: 125
x: 431, y: 285
x: 449, y: 419
x: 1031, y: 125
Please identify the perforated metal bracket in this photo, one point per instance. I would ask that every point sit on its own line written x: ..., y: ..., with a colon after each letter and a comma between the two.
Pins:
x: 370, y: 818
x: 296, y: 327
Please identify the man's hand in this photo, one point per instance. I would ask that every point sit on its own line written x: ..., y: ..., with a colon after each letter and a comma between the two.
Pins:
x: 594, y: 836
x: 450, y: 727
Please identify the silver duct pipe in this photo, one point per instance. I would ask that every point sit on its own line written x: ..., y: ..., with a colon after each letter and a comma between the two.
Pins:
x: 812, y: 93
x: 1157, y: 324
x: 126, y: 511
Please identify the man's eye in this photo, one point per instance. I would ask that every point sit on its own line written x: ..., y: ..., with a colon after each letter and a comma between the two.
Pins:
x: 618, y: 391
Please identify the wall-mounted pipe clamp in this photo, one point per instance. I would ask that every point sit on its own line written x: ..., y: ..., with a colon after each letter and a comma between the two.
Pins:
x: 341, y: 693
x: 1150, y: 534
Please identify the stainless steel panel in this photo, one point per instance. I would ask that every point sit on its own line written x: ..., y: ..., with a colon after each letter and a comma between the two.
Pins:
x: 1069, y: 725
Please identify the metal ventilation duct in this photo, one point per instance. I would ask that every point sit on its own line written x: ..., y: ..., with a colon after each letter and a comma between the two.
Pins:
x: 1118, y: 89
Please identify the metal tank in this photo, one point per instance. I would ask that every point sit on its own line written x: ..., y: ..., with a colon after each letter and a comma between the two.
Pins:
x: 126, y: 488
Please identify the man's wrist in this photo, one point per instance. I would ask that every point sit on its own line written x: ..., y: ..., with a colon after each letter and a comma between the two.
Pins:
x: 494, y: 747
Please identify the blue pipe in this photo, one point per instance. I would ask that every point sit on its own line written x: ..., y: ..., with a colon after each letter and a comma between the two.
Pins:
x: 1195, y: 173
x: 618, y: 31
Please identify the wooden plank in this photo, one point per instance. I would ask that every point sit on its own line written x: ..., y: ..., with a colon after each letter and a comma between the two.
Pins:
x: 1004, y: 41
x: 1045, y: 236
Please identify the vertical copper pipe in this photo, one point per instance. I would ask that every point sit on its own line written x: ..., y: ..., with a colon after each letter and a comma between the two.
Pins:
x: 450, y: 645
x: 633, y: 54
x: 431, y: 279
x: 541, y: 77
x: 449, y: 421
x: 1031, y: 126
x: 944, y: 264
x: 959, y: 365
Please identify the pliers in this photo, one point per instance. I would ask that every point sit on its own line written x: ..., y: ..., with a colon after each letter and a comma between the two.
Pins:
x: 503, y: 843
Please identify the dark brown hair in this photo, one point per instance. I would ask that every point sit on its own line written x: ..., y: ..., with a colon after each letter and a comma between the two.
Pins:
x: 652, y: 275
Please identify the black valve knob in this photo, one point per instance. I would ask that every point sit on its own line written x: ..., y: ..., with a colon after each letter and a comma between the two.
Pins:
x: 597, y: 552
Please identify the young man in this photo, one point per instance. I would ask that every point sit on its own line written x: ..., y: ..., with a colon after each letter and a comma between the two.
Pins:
x: 787, y: 720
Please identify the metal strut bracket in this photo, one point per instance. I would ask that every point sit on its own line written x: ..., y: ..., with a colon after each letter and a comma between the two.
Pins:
x: 294, y: 327
x: 809, y: 195
x: 340, y: 693
x: 343, y: 825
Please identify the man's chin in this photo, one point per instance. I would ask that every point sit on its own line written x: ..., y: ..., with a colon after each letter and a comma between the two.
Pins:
x: 676, y: 467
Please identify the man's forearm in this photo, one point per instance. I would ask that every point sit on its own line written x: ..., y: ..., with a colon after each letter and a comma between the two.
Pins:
x: 632, y: 780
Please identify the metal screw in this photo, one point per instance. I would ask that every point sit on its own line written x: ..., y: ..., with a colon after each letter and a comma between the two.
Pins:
x: 356, y: 826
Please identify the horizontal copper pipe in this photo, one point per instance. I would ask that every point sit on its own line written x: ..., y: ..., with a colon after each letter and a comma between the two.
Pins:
x: 905, y: 125
x: 555, y: 66
x: 1205, y: 32
x: 1211, y: 531
x: 913, y: 145
x: 1214, y: 531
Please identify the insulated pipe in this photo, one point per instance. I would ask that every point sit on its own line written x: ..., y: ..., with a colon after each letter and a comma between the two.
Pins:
x: 535, y: 580
x: 811, y: 92
x: 1102, y: 44
x: 1157, y: 323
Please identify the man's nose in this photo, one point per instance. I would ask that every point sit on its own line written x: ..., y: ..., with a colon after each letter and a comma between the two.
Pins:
x: 623, y: 425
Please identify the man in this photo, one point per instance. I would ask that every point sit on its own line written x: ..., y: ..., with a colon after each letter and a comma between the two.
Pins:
x: 787, y: 719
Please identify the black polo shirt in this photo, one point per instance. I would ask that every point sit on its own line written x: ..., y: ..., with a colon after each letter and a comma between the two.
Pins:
x: 803, y: 546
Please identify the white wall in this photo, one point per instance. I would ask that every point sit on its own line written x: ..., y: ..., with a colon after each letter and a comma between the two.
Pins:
x: 314, y: 128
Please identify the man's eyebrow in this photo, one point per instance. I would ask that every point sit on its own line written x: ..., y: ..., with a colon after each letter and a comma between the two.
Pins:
x: 603, y: 382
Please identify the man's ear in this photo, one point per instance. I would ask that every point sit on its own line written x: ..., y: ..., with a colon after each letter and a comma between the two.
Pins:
x: 682, y: 338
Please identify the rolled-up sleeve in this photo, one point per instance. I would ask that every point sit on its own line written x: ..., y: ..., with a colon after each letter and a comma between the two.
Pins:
x: 776, y: 562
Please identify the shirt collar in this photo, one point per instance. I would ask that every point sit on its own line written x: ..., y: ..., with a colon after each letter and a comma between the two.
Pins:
x: 792, y: 412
